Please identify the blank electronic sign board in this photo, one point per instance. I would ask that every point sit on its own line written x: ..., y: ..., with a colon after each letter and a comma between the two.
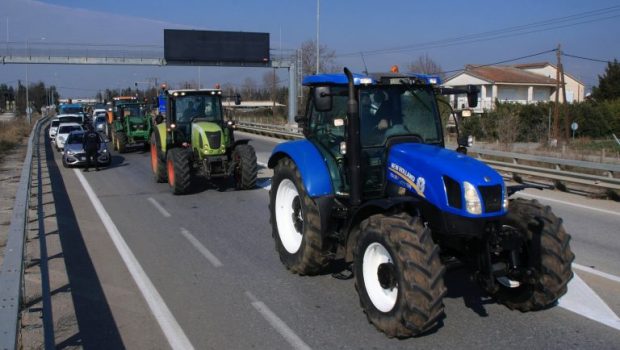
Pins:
x: 206, y: 46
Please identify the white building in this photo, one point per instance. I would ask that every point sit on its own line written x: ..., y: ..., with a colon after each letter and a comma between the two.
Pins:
x: 525, y: 83
x: 575, y: 89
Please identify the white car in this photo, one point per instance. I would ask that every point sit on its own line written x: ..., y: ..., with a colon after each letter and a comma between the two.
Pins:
x: 64, y: 129
x: 53, y: 128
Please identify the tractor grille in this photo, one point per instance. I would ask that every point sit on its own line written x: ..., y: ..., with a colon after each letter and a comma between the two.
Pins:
x: 491, y: 197
x: 214, y: 139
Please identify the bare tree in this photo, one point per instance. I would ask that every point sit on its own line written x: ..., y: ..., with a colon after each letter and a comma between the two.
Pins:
x: 249, y: 88
x: 426, y: 65
x: 327, y: 59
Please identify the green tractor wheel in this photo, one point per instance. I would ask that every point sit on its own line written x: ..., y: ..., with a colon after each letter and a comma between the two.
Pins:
x: 178, y: 163
x: 246, y: 168
x: 120, y: 141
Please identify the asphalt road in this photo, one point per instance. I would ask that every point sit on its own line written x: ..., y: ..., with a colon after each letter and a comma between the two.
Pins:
x: 218, y: 281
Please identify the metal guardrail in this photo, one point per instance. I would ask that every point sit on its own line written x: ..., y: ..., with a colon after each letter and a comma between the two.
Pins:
x: 599, y: 175
x: 11, y: 274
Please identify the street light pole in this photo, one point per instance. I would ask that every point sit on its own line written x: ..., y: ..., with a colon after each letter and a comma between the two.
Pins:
x: 318, y: 2
x: 28, y: 114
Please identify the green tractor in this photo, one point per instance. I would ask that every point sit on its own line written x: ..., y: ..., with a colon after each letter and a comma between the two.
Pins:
x: 196, y: 140
x: 131, y: 127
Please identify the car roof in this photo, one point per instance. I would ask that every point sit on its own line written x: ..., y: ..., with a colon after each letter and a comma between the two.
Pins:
x: 370, y: 79
x: 67, y: 115
x: 69, y: 124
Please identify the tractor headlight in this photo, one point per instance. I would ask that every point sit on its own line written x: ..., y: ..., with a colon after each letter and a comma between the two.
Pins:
x: 69, y: 152
x: 472, y: 199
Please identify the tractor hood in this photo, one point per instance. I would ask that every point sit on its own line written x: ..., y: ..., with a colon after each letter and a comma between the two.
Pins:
x: 135, y: 120
x: 430, y: 171
x: 209, y: 138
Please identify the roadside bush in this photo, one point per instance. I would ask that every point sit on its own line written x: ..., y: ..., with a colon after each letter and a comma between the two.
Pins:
x: 12, y: 133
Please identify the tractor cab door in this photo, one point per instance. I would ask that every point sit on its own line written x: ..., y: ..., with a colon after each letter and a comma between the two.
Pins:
x: 326, y: 130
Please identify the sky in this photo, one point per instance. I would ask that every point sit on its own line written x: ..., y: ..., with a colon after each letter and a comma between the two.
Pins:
x: 384, y: 33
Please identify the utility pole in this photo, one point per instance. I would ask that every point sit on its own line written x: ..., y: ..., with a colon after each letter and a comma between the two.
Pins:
x: 565, y: 106
x: 556, y: 107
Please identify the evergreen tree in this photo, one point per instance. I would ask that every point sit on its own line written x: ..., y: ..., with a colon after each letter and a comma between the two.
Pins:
x: 608, y: 84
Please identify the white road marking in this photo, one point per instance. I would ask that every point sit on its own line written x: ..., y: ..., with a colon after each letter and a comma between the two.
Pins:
x: 169, y: 325
x: 611, y: 212
x: 158, y: 206
x: 582, y: 300
x: 201, y: 248
x: 279, y: 325
x: 597, y: 272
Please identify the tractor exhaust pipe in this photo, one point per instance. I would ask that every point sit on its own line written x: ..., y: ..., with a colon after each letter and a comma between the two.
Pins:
x: 353, y: 143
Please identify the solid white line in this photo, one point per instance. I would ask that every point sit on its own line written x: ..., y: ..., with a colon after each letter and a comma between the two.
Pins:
x: 201, y: 248
x: 597, y: 272
x: 169, y: 325
x: 279, y: 325
x: 569, y: 203
x: 158, y: 206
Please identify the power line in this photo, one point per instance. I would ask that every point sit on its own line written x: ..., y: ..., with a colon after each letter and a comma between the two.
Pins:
x: 585, y: 58
x: 555, y: 23
x: 503, y: 61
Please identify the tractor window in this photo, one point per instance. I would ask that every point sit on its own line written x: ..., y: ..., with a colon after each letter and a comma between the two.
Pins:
x: 328, y: 137
x: 192, y: 107
x: 398, y: 111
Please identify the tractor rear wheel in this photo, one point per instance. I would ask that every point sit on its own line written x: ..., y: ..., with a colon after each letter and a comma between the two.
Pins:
x: 399, y: 275
x: 178, y: 163
x: 545, y: 253
x: 245, y: 168
x: 295, y: 222
x: 158, y: 165
x: 120, y: 139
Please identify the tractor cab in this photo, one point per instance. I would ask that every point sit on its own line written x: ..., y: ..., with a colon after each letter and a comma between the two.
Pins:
x: 392, y: 109
x: 189, y: 106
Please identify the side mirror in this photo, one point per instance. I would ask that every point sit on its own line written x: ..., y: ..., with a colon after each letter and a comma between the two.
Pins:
x: 237, y: 99
x: 472, y: 96
x: 159, y: 119
x: 322, y: 98
x: 465, y: 141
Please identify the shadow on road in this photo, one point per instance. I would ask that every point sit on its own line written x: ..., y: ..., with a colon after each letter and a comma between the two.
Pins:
x: 97, y: 328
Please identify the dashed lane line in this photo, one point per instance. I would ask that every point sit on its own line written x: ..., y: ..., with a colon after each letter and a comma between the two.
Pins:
x: 279, y: 325
x: 158, y: 206
x: 201, y: 248
x: 172, y: 330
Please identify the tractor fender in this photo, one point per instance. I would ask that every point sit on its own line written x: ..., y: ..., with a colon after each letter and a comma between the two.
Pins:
x: 406, y: 203
x: 161, y: 133
x: 240, y: 142
x: 311, y: 165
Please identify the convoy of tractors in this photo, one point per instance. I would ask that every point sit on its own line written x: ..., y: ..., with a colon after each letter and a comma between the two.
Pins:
x: 372, y: 185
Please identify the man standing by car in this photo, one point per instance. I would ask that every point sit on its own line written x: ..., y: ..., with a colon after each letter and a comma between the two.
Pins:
x: 91, y: 146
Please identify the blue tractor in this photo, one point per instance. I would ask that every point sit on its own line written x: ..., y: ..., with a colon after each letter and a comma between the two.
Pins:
x: 373, y: 185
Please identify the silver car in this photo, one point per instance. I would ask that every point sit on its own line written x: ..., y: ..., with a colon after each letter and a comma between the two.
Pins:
x: 74, y: 154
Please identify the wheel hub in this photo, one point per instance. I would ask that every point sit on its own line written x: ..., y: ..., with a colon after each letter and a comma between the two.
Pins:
x: 387, y: 275
x: 298, y: 220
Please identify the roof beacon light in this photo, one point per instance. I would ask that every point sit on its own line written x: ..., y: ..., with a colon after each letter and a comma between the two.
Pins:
x: 394, y: 69
x: 432, y: 81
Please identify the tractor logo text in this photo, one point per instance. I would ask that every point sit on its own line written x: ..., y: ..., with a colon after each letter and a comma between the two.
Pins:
x: 403, y: 177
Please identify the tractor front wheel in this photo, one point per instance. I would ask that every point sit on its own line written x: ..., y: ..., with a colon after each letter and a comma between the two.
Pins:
x: 398, y: 274
x: 295, y: 222
x: 157, y: 162
x: 545, y: 255
x: 245, y: 167
x: 120, y: 140
x: 178, y: 163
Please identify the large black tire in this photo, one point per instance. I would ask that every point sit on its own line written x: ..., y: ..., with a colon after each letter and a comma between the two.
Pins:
x: 399, y: 275
x: 120, y: 140
x: 178, y: 166
x: 158, y: 164
x: 547, y: 247
x: 246, y: 169
x: 295, y: 222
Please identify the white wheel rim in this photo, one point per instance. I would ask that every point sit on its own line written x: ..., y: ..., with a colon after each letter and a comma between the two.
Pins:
x: 383, y: 299
x: 289, y: 236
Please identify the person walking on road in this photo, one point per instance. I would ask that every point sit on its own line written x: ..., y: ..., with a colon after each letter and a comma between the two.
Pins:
x: 91, y: 146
